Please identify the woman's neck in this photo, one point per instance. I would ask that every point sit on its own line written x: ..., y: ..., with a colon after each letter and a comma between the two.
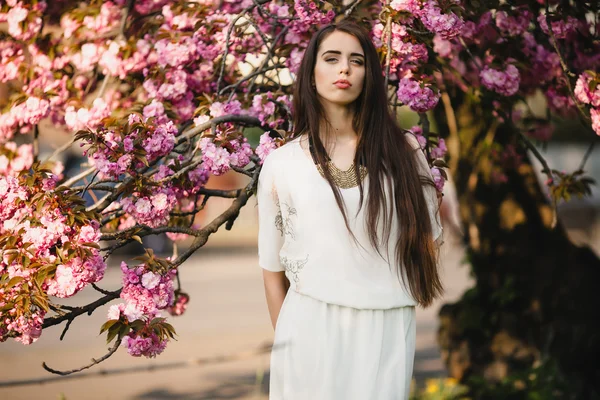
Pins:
x: 340, y: 119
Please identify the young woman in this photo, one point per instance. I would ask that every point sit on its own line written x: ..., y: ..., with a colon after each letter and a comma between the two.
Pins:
x: 348, y: 232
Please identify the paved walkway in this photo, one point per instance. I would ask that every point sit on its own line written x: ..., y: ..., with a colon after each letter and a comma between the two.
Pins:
x: 227, y: 315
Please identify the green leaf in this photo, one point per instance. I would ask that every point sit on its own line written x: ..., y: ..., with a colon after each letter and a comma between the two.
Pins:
x: 124, y: 330
x: 108, y: 324
x: 112, y: 333
x: 137, y: 325
x: 15, y: 280
x: 12, y: 257
x: 41, y: 277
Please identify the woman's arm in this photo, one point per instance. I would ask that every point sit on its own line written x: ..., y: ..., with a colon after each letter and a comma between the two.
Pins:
x: 276, y: 287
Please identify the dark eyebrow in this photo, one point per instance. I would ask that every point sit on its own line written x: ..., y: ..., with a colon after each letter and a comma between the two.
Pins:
x: 340, y: 53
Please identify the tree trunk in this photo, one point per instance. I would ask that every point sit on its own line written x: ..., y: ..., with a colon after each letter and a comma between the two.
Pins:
x: 536, y: 293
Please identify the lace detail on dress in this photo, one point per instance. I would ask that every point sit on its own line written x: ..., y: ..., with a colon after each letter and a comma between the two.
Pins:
x: 284, y: 224
x: 293, y: 267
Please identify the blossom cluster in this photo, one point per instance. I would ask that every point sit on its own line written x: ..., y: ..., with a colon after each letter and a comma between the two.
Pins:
x: 514, y: 24
x: 146, y: 292
x: 309, y: 13
x: 437, y: 151
x: 122, y: 147
x: 587, y: 91
x: 408, y: 53
x: 266, y: 146
x: 15, y: 159
x: 447, y: 24
x: 504, y: 82
x: 24, y: 20
x: 153, y: 210
x: 420, y: 97
x: 49, y: 247
x: 560, y: 28
x: 11, y: 58
x: 218, y: 159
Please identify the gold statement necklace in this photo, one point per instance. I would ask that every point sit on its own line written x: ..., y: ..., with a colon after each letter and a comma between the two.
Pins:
x: 343, y: 179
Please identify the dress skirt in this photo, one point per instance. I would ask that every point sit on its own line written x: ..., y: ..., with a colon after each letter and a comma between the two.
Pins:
x: 324, y: 351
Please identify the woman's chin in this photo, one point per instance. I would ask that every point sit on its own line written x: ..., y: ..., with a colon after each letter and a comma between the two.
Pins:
x: 343, y: 100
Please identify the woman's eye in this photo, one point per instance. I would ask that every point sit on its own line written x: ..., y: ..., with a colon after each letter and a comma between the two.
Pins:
x: 356, y: 62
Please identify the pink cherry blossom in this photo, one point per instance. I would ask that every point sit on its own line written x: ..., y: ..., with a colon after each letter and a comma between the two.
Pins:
x: 19, y: 16
x: 69, y: 25
x: 515, y: 23
x: 29, y: 329
x: 438, y: 179
x: 215, y: 158
x: 560, y: 28
x: 584, y: 94
x: 418, y: 98
x: 447, y: 25
x: 82, y: 118
x: 11, y: 58
x: 412, y: 6
x: 265, y: 147
x: 105, y: 21
x: 504, y: 82
x: 595, y: 114
x: 151, y: 211
x: 440, y: 150
x: 146, y: 292
x: 115, y: 311
x: 150, y: 346
x: 180, y: 305
x: 161, y: 142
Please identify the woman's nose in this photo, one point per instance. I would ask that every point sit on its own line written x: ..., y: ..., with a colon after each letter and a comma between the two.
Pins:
x: 344, y: 68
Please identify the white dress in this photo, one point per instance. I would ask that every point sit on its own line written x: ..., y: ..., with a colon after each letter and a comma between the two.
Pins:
x: 346, y: 329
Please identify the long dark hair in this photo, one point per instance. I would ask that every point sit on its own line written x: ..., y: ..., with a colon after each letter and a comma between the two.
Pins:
x: 388, y: 157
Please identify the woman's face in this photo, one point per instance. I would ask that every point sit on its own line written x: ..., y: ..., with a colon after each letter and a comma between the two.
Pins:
x: 340, y: 68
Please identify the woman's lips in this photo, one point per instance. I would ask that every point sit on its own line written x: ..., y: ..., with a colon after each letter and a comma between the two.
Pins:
x: 343, y: 85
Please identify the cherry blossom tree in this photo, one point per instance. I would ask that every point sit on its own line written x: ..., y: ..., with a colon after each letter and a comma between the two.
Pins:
x: 160, y: 95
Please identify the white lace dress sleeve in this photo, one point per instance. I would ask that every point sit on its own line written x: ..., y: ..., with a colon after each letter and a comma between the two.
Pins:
x: 270, y: 236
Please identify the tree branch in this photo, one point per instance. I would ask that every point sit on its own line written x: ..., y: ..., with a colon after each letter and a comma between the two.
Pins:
x: 61, y: 149
x: 568, y: 74
x: 587, y: 155
x: 227, y: 37
x: 388, y: 55
x: 77, y: 311
x: 244, y: 119
x: 143, y: 230
x: 81, y: 175
x: 350, y: 8
x: 36, y: 143
x: 228, y: 217
x: 111, y: 351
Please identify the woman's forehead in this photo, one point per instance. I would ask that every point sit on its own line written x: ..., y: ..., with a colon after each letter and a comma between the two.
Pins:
x: 341, y: 42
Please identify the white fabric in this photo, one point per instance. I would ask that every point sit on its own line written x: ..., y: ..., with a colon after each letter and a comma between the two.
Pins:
x: 329, y: 352
x: 302, y: 232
